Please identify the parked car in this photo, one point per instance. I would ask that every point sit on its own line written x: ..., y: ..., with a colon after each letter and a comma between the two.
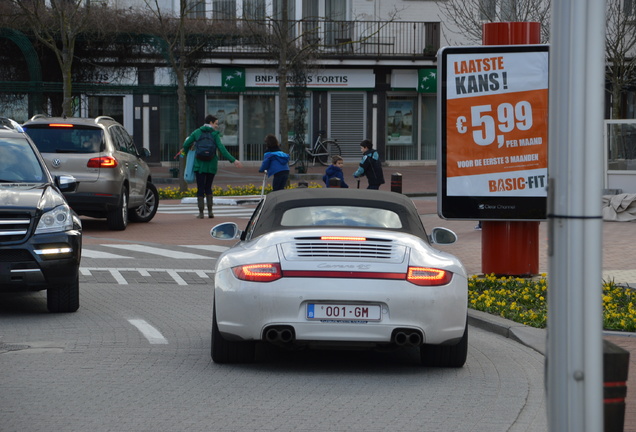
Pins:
x: 40, y: 235
x: 114, y: 181
x: 338, y: 268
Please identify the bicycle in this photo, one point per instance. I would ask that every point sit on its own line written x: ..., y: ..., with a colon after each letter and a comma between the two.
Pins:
x: 322, y: 150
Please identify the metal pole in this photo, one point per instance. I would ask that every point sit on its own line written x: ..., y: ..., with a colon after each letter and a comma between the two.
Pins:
x: 574, y: 348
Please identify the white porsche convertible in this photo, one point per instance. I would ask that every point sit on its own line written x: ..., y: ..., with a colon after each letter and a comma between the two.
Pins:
x: 319, y: 268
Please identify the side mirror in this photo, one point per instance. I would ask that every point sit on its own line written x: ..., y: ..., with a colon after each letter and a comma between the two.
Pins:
x: 66, y: 183
x: 442, y: 236
x: 225, y: 231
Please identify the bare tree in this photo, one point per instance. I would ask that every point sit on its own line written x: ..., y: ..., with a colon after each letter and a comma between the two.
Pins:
x: 183, y: 40
x: 468, y: 16
x: 57, y: 24
x: 620, y: 44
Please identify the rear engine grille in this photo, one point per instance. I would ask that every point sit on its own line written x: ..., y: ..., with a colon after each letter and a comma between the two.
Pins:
x: 14, y: 227
x: 329, y: 249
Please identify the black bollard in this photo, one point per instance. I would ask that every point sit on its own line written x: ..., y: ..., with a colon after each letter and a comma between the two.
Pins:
x: 334, y: 182
x: 396, y: 182
x: 615, y: 368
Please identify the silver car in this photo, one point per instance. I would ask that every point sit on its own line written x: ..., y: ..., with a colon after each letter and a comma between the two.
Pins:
x: 114, y: 181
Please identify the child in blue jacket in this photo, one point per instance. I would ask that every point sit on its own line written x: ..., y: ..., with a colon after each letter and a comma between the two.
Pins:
x: 275, y: 162
x: 335, y: 170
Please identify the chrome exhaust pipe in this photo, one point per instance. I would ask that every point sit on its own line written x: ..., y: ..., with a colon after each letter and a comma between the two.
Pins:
x: 272, y: 335
x: 415, y: 339
x: 401, y: 338
x: 285, y: 335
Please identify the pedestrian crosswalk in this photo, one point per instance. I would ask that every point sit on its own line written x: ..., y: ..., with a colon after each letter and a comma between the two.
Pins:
x: 99, y: 263
x: 242, y: 212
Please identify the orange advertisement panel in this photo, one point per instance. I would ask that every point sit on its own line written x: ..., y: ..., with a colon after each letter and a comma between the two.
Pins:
x: 493, y: 132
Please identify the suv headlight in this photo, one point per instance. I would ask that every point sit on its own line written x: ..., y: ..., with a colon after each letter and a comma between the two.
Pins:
x: 56, y: 220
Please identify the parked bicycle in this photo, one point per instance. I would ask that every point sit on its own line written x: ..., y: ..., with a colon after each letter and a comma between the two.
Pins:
x: 322, y: 150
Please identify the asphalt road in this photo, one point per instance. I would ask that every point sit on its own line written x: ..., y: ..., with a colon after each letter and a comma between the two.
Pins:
x: 136, y: 357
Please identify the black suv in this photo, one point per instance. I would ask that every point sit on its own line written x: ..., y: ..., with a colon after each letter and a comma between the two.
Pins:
x: 40, y: 236
x: 114, y: 182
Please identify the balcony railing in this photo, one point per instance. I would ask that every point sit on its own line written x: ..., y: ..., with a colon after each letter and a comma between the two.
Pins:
x: 342, y: 39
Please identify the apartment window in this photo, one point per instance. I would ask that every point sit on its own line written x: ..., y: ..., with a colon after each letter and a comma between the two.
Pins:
x: 254, y: 10
x: 310, y: 9
x: 335, y: 10
x: 223, y: 9
x: 278, y: 9
x: 195, y: 9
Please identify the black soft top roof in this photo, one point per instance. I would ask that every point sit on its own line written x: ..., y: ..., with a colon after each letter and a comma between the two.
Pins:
x: 277, y: 203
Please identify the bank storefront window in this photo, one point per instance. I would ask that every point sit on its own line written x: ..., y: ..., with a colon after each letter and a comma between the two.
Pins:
x: 259, y: 119
x: 226, y: 109
x: 429, y: 127
x: 401, y: 128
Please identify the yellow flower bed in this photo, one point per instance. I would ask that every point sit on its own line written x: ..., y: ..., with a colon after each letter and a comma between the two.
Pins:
x: 525, y: 301
x: 173, y: 192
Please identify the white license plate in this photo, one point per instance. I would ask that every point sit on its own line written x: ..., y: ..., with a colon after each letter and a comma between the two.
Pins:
x: 349, y: 312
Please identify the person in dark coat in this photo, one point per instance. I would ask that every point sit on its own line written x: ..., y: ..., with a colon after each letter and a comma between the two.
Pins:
x: 370, y: 165
x: 335, y: 171
x: 206, y: 170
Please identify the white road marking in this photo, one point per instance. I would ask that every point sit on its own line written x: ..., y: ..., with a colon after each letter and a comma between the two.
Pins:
x: 145, y: 272
x: 178, y: 279
x: 211, y: 248
x: 157, y: 251
x: 118, y: 277
x: 87, y: 253
x: 224, y: 211
x: 153, y: 335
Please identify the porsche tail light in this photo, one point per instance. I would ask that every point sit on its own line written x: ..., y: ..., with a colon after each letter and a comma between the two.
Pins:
x: 102, y: 162
x: 426, y: 276
x: 267, y: 272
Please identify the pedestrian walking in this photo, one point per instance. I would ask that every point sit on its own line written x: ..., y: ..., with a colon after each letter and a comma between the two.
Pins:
x: 370, y: 165
x: 335, y: 171
x: 205, y: 142
x: 275, y: 162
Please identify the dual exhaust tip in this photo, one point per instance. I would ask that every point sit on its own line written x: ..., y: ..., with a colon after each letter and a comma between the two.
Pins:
x: 407, y: 338
x: 286, y: 334
x: 281, y: 334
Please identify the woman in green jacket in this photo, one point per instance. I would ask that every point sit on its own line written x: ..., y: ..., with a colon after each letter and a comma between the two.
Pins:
x: 205, y: 170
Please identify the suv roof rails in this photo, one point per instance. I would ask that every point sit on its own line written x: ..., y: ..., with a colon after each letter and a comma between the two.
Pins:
x: 10, y: 124
x: 98, y: 119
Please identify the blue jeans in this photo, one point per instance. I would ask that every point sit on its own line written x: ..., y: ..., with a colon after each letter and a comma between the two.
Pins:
x: 204, y: 183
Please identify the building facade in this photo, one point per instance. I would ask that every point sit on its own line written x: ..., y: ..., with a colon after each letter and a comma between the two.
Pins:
x: 375, y: 78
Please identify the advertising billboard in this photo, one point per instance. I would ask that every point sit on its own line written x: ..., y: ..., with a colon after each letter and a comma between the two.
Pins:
x: 493, y: 132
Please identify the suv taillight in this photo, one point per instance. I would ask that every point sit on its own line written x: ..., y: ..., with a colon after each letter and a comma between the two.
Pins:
x: 102, y: 162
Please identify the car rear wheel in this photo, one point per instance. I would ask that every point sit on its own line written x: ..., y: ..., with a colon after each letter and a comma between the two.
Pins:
x: 118, y: 218
x: 452, y: 356
x: 146, y: 211
x: 63, y: 298
x: 224, y: 351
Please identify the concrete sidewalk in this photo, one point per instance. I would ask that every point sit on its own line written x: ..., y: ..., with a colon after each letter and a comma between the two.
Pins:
x: 420, y: 183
